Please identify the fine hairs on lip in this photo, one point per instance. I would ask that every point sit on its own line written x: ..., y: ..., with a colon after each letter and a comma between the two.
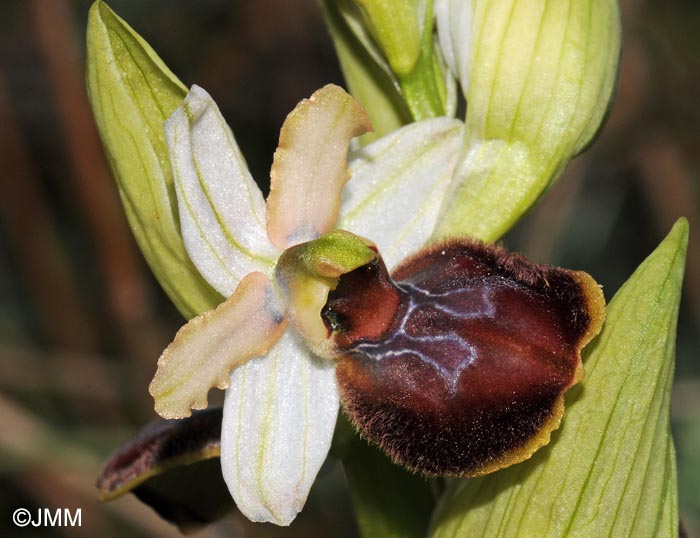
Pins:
x: 457, y: 363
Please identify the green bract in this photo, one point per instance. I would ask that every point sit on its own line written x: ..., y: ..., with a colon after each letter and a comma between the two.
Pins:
x: 538, y: 81
x: 424, y: 88
x: 132, y: 93
x: 610, y: 469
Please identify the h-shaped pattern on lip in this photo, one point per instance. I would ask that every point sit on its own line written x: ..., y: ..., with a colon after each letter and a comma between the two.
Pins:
x: 457, y: 363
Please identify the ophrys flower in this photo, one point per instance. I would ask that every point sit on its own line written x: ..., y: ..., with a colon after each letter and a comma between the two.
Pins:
x: 281, y: 407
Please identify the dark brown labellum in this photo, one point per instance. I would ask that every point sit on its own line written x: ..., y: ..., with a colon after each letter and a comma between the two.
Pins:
x: 457, y: 364
x: 173, y: 466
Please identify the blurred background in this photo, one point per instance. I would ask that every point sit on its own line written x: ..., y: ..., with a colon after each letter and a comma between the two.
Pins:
x: 82, y: 321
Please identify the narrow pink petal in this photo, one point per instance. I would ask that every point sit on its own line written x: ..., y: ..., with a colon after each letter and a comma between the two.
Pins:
x: 310, y: 166
x: 209, y: 346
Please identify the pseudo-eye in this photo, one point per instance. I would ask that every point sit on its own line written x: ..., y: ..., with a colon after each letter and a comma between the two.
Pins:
x: 456, y: 363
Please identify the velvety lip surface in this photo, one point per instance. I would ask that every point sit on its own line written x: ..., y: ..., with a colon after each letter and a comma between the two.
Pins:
x: 457, y: 364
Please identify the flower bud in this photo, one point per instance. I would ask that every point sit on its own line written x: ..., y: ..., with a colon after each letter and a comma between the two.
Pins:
x: 395, y: 26
x: 540, y: 79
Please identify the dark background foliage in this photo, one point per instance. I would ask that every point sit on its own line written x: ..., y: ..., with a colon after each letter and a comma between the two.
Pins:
x: 82, y: 320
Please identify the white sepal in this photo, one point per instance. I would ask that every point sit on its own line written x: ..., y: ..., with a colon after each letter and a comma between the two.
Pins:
x: 222, y: 211
x: 398, y: 184
x: 279, y: 416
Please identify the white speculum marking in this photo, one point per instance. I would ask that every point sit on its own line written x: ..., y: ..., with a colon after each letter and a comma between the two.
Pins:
x: 447, y: 352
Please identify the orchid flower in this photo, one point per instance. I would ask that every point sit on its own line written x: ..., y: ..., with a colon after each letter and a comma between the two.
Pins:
x: 537, y: 78
x: 281, y: 401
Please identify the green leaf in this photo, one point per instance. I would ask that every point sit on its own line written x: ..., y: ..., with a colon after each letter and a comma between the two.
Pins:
x: 368, y: 76
x: 541, y: 77
x: 132, y: 93
x: 610, y: 469
x: 686, y: 431
x: 389, y: 501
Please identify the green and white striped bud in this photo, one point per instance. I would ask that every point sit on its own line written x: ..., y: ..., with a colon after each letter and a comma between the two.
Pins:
x: 538, y: 78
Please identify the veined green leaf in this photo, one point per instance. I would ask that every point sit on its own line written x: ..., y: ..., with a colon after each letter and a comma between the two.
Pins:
x: 610, y: 469
x: 132, y: 93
